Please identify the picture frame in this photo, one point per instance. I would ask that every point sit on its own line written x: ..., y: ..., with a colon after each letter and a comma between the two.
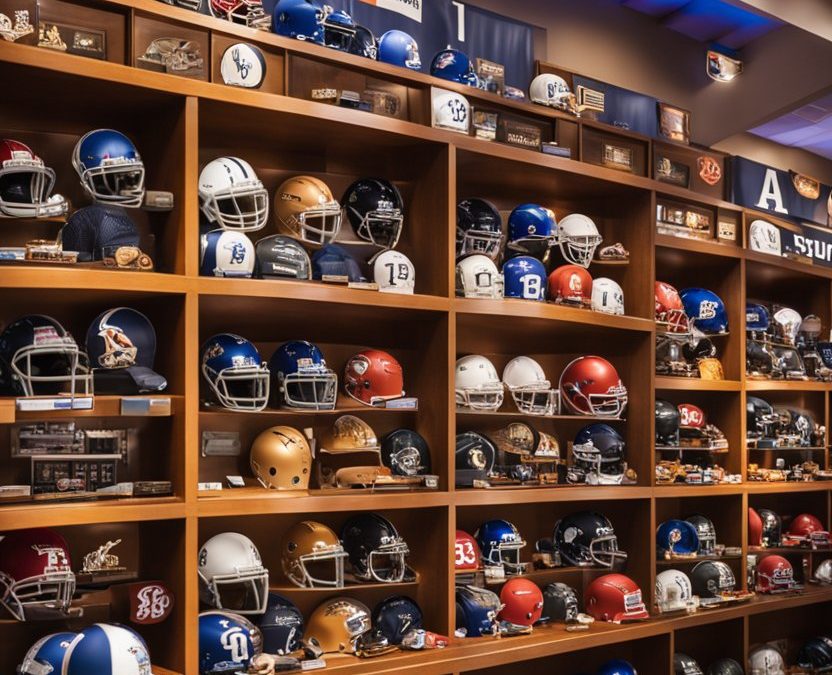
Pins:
x: 674, y: 123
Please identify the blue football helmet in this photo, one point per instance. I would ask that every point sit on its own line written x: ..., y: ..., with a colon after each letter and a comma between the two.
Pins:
x: 302, y: 378
x: 524, y: 277
x: 46, y: 656
x: 677, y: 538
x: 107, y: 649
x: 400, y: 49
x: 395, y: 616
x: 598, y: 453
x: 281, y: 626
x: 121, y: 337
x: 532, y: 229
x: 110, y: 168
x: 756, y: 318
x: 227, y: 642
x: 226, y: 253
x: 476, y: 611
x: 335, y: 261
x: 617, y: 667
x: 237, y: 376
x: 299, y: 19
x: 705, y: 310
x: 500, y: 545
x: 454, y: 65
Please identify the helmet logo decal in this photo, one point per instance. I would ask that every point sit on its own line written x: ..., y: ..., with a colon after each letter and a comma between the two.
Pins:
x: 235, y: 643
x: 707, y: 309
x: 119, y: 350
x: 46, y: 335
x: 55, y: 557
x: 238, y: 252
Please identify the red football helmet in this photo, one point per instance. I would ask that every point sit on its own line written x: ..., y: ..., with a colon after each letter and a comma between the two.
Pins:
x: 691, y: 416
x: 670, y: 312
x: 35, y: 570
x: 522, y: 602
x: 615, y: 598
x: 590, y: 386
x: 247, y: 12
x: 26, y: 184
x: 806, y: 528
x: 755, y: 528
x: 571, y: 285
x: 774, y: 574
x: 466, y: 552
x: 373, y: 377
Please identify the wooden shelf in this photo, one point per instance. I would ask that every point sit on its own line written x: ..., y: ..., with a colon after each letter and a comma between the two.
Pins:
x: 698, y: 245
x: 683, y: 490
x: 542, y: 495
x: 103, y: 406
x: 20, y: 516
x: 462, y: 413
x: 27, y: 276
x: 786, y: 385
x: 696, y: 384
x: 349, y: 588
x: 673, y: 562
x: 758, y: 487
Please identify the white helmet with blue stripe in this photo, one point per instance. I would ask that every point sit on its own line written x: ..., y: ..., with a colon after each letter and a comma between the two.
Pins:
x: 232, y: 195
x: 107, y: 649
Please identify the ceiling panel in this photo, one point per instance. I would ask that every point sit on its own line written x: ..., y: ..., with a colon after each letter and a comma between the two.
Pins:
x: 808, y: 127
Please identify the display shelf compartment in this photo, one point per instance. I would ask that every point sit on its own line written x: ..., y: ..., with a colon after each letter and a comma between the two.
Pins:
x: 600, y: 143
x: 671, y: 383
x: 699, y: 246
x: 699, y: 643
x: 793, y: 626
x: 542, y: 495
x: 146, y: 29
x: 110, y: 20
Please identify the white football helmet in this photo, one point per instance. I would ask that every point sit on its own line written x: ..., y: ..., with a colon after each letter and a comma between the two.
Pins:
x: 450, y: 111
x: 226, y: 253
x: 764, y: 237
x: 766, y: 660
x: 549, y: 89
x: 674, y: 591
x: 823, y: 573
x: 478, y: 277
x: 232, y: 575
x: 243, y: 65
x: 394, y: 273
x: 533, y: 394
x: 232, y: 196
x: 106, y: 648
x: 477, y: 385
x: 578, y: 238
x: 607, y: 296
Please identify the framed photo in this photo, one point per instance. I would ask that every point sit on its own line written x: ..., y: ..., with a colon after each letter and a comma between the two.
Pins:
x: 674, y: 123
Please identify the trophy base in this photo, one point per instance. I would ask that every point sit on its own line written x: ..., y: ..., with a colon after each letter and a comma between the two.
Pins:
x: 104, y: 578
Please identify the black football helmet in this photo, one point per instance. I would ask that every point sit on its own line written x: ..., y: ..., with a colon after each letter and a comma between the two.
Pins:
x: 668, y: 421
x: 395, y: 616
x: 711, y: 578
x: 597, y: 456
x: 281, y: 257
x: 479, y: 228
x: 670, y: 360
x: 761, y: 421
x: 375, y: 549
x: 587, y: 539
x: 725, y: 667
x: 759, y: 360
x: 405, y: 453
x: 375, y: 210
x: 772, y: 527
x: 703, y: 348
x: 560, y: 603
x: 815, y: 655
x: 281, y: 626
x: 475, y: 455
x: 706, y: 532
x: 685, y: 665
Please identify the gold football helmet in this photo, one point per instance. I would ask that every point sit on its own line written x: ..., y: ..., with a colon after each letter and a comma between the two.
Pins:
x: 306, y: 210
x: 281, y: 459
x: 307, y: 551
x: 351, y: 434
x: 338, y: 624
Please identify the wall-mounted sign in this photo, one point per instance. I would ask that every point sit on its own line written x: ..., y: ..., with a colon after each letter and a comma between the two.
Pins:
x: 798, y: 242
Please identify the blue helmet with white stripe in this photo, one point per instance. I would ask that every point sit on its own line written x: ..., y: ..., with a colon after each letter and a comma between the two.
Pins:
x: 107, y: 649
x: 227, y: 642
x: 46, y: 655
x: 524, y: 277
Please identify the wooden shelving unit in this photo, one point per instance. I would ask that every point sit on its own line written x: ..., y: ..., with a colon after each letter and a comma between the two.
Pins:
x: 282, y: 133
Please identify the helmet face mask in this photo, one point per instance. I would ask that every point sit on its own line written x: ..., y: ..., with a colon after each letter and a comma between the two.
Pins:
x: 232, y: 195
x: 533, y: 394
x: 312, y: 556
x: 587, y: 539
x: 115, y: 181
x: 306, y: 210
x: 26, y: 184
x: 477, y: 385
x: 578, y: 238
x: 235, y: 373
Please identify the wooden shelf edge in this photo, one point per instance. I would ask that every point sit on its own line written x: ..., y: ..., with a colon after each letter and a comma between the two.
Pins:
x: 698, y: 246
x: 49, y: 514
x: 786, y: 385
x: 103, y: 406
x: 696, y: 384
x: 92, y: 279
x: 542, y: 495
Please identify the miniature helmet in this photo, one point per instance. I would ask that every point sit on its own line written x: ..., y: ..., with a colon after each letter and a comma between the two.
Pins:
x: 674, y: 591
x: 815, y: 655
x: 755, y: 527
x: 281, y: 459
x: 226, y: 641
x: 226, y: 253
x: 590, y: 385
x: 670, y: 312
x: 375, y: 210
x: 299, y: 19
x: 668, y: 420
x: 712, y: 578
x: 301, y: 377
x: 500, y: 544
x: 478, y: 277
x: 26, y: 183
x: 338, y: 625
x: 571, y: 285
x: 399, y: 49
x: 395, y: 616
x: 281, y: 257
x: 532, y: 392
x: 677, y: 538
x: 578, y: 238
x: 281, y: 626
x: 376, y: 550
x: 110, y: 168
x: 706, y: 532
x: 725, y: 667
x: 775, y: 573
x: 772, y: 528
x: 587, y: 539
x: 615, y: 598
x: 607, y: 296
x: 466, y: 552
x: 235, y: 373
x: 373, y: 377
x: 522, y: 602
x: 394, y: 273
x: 476, y: 611
x: 46, y: 656
x: 524, y: 277
x: 598, y: 454
x: 107, y: 648
x: 454, y: 65
x: 406, y: 453
x: 766, y: 660
x: 685, y: 665
x: 549, y: 89
x: 479, y: 228
x: 476, y: 383
x: 560, y: 603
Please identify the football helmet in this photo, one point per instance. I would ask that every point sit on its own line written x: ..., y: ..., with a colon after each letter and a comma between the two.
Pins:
x: 467, y: 556
x: 815, y: 655
x: 339, y: 29
x: 772, y: 528
x: 373, y: 377
x: 685, y: 665
x: 394, y: 273
x: 550, y: 90
x: 578, y: 238
x: 26, y: 184
x: 399, y: 49
x: 522, y: 602
x: 231, y: 574
x: 587, y: 539
x: 38, y: 357
x: 299, y: 19
x: 110, y: 168
x: 46, y: 656
x: 476, y: 611
x: 524, y: 277
x: 306, y: 210
x: 500, y: 545
x: 532, y: 392
x: 281, y: 626
x: 227, y: 642
x: 617, y: 667
x: 478, y: 277
x: 97, y: 232
x: 395, y: 616
x: 705, y: 310
x: 668, y: 422
x: 761, y: 420
x: 454, y: 65
x: 607, y: 296
x: 766, y: 659
x: 532, y: 229
x: 712, y: 578
x: 598, y: 456
x: 376, y: 550
x: 560, y: 603
x: 406, y: 453
x: 615, y: 598
x: 786, y: 325
x: 763, y: 237
x: 670, y: 312
x: 35, y: 572
x: 281, y: 257
x: 807, y: 529
x: 677, y: 539
x: 332, y: 260
x: 476, y: 383
x: 479, y: 228
x: 375, y: 209
x: 107, y: 649
x: 725, y: 667
x: 706, y: 532
x: 450, y: 110
x: 475, y: 455
x: 674, y: 591
x: 232, y: 195
x: 823, y: 572
x: 757, y: 318
x: 235, y: 373
x: 350, y: 434
x: 302, y: 378
x: 312, y: 556
x: 280, y: 459
x: 246, y: 12
x: 226, y: 253
x: 755, y: 527
x: 571, y: 285
x: 590, y: 385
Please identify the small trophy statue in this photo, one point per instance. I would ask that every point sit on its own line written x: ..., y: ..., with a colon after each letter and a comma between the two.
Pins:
x: 102, y: 567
